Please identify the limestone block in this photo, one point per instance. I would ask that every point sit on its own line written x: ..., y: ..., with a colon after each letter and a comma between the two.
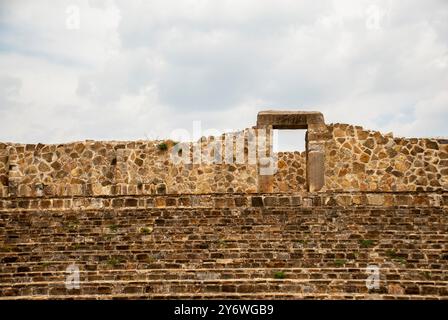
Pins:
x: 316, y: 170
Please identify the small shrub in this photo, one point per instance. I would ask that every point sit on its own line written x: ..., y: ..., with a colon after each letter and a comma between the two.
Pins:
x: 162, y: 146
x: 165, y: 145
x: 391, y: 253
x: 113, y: 227
x: 6, y: 249
x: 279, y: 275
x: 114, y: 261
x: 339, y: 262
x: 221, y: 243
x: 146, y: 230
x: 72, y: 226
x: 366, y: 243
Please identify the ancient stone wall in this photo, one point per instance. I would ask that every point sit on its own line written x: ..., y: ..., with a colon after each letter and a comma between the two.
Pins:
x: 113, y: 168
x: 355, y: 160
x: 291, y: 175
x: 128, y: 211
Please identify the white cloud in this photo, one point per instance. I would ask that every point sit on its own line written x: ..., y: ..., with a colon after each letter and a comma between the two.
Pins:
x: 138, y: 69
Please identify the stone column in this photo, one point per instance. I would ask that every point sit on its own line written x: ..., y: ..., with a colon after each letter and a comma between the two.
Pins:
x: 316, y: 136
x: 266, y: 165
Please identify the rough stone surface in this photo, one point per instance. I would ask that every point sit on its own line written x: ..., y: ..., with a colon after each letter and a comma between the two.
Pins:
x: 360, y: 160
x: 140, y: 226
x: 352, y: 159
x: 271, y: 246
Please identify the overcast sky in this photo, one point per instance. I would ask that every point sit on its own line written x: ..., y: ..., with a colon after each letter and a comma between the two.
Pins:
x: 125, y: 70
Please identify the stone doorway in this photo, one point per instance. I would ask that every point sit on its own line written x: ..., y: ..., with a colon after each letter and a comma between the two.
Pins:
x: 316, y: 135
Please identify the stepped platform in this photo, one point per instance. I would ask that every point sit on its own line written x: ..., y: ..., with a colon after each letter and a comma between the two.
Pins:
x: 226, y: 246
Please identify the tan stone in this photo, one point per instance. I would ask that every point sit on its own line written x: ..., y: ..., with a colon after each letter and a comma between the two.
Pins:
x: 43, y: 167
x: 338, y: 133
x: 395, y: 289
x: 358, y: 168
x: 364, y: 158
x: 281, y: 164
x: 362, y: 135
x: 376, y: 199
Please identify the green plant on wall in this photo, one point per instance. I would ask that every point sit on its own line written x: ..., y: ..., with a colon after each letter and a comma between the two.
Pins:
x: 279, y: 275
x: 221, y: 243
x: 146, y: 230
x: 339, y: 262
x: 393, y: 255
x: 113, y: 261
x: 162, y: 146
x: 366, y: 243
x: 165, y: 145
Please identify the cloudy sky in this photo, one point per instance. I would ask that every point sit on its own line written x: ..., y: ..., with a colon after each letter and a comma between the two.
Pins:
x: 125, y: 70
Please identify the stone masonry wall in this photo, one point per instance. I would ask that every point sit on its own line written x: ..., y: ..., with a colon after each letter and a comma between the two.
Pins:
x: 355, y: 160
x: 113, y: 168
x: 291, y: 175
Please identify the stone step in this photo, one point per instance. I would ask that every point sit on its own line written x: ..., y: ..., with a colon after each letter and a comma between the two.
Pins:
x: 307, y: 239
x: 233, y: 296
x: 406, y: 218
x: 292, y: 250
x: 301, y: 199
x: 225, y: 234
x: 228, y: 253
x: 382, y: 249
x: 136, y: 230
x: 300, y: 286
x: 175, y: 221
x: 185, y: 221
x: 385, y: 274
x: 213, y: 246
x: 228, y: 240
x: 118, y: 262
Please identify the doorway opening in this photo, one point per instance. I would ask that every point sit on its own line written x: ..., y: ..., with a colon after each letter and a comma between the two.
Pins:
x: 288, y: 140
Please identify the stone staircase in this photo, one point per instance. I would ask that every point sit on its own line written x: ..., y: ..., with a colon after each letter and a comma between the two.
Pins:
x: 225, y: 246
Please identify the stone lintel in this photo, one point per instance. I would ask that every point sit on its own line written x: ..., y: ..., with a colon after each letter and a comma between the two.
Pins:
x: 289, y: 119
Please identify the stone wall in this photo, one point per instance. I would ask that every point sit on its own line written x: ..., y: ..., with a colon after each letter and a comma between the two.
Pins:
x: 113, y: 168
x: 355, y: 160
x: 291, y: 175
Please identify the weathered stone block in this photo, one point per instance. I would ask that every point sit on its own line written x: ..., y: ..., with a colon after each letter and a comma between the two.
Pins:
x: 316, y: 170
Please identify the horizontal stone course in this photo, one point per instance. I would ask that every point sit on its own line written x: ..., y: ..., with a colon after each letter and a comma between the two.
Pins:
x: 323, y: 199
